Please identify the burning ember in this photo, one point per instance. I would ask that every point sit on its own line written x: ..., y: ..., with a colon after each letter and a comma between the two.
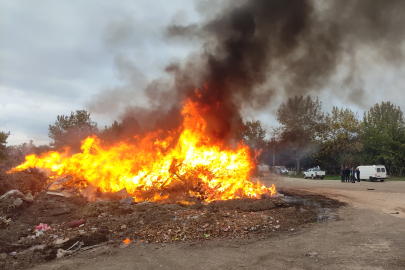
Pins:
x: 161, y: 166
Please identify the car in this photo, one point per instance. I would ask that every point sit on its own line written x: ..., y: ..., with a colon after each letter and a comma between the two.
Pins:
x: 280, y: 170
x: 314, y: 173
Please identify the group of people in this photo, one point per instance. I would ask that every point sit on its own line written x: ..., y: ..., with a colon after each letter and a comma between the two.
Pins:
x: 350, y: 175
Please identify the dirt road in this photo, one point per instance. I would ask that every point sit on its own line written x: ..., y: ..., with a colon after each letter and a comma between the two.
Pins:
x: 367, y: 236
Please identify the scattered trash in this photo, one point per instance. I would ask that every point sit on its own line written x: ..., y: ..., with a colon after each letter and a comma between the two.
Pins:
x: 14, y: 198
x: 76, y: 223
x: 4, y: 222
x: 62, y: 253
x: 37, y: 247
x: 207, y: 235
x: 370, y: 188
x: 55, y: 194
x: 127, y: 200
x: 61, y: 241
x: 74, y: 248
x: 395, y: 213
x: 312, y: 254
x: 127, y: 241
x: 13, y: 253
x: 41, y: 228
x: 16, y: 194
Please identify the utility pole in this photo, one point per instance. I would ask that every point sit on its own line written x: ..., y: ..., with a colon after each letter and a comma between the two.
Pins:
x: 274, y: 147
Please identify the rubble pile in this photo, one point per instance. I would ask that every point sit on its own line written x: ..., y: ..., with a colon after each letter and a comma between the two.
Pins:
x: 40, y: 226
x: 28, y: 181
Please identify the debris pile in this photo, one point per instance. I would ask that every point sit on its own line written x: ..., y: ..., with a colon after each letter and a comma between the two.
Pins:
x: 27, y: 181
x: 37, y: 226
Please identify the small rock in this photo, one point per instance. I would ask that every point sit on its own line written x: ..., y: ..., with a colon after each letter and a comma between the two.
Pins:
x: 17, y: 202
x: 312, y: 254
x: 127, y: 200
x: 3, y: 256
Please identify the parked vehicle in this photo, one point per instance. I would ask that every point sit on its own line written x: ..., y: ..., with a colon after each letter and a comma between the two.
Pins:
x: 263, y: 168
x: 373, y: 172
x: 314, y: 173
x: 280, y: 170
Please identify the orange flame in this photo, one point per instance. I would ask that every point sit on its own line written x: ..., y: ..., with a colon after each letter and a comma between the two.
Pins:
x: 160, y: 164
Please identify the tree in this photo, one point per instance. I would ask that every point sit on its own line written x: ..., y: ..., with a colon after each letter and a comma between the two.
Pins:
x: 3, y: 142
x: 18, y: 152
x: 302, y: 122
x: 254, y: 134
x: 71, y: 130
x: 341, y: 140
x: 384, y: 136
x: 128, y: 129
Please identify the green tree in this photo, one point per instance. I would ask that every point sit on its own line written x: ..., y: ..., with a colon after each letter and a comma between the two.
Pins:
x: 71, y: 130
x: 341, y: 139
x: 302, y: 123
x: 253, y: 134
x: 126, y: 130
x: 384, y: 136
x: 3, y: 142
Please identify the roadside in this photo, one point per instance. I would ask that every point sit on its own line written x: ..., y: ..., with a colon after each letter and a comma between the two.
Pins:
x: 337, y: 177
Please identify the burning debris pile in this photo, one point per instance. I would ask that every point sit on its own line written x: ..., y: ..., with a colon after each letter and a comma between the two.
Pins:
x: 161, y: 166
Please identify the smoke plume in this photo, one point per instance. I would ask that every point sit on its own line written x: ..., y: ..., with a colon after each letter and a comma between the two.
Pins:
x: 252, y: 51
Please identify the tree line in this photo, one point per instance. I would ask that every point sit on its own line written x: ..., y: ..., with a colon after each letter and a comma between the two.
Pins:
x: 306, y: 136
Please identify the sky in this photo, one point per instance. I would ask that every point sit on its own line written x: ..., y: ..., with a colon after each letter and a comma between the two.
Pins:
x: 57, y: 56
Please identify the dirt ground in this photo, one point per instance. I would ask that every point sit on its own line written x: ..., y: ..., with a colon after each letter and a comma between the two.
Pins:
x: 368, y: 234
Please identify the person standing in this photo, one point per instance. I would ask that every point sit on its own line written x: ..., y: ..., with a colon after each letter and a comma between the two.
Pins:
x: 358, y: 174
x: 342, y: 174
x: 353, y: 175
x: 347, y: 174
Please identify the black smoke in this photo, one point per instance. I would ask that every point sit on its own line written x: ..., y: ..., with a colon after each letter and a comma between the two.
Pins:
x: 252, y: 51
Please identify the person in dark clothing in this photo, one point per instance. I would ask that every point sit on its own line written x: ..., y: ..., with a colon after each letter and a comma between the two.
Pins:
x: 353, y: 175
x: 347, y: 174
x: 342, y: 174
x: 358, y: 174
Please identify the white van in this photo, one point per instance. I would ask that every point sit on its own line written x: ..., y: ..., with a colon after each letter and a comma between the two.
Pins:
x: 373, y: 172
x: 263, y: 168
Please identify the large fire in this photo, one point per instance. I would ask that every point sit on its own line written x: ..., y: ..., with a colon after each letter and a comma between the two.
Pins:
x: 160, y: 164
